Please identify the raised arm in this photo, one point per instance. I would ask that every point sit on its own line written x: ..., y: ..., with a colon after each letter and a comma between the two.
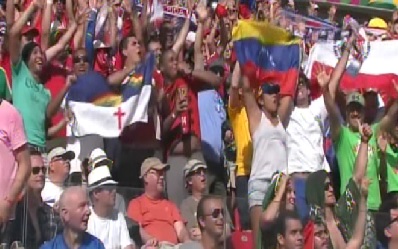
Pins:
x: 388, y: 122
x: 15, y: 32
x: 361, y: 161
x: 234, y: 100
x: 198, y: 55
x: 285, y: 109
x: 330, y: 104
x: 182, y: 36
x: 46, y: 25
x: 356, y: 240
x: 271, y: 213
x: 252, y: 108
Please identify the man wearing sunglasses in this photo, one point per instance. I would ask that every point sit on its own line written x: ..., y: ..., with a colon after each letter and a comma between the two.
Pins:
x: 105, y: 222
x: 386, y: 221
x: 41, y: 223
x: 58, y: 171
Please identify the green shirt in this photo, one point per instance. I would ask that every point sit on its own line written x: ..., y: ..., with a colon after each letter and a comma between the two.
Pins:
x: 31, y: 99
x: 346, y: 146
x: 4, y: 87
x: 392, y: 169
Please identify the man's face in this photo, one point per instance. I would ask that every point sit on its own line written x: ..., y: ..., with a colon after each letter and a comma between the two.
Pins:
x: 133, y: 50
x: 155, y: 180
x: 293, y: 238
x: 60, y: 166
x: 213, y: 220
x: 80, y: 62
x: 371, y: 106
x: 106, y: 195
x: 354, y: 115
x: 156, y: 48
x: 77, y: 212
x: 37, y: 175
x: 321, y: 237
x: 198, y: 179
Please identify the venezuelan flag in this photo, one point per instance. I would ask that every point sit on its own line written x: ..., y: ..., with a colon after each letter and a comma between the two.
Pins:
x: 267, y: 53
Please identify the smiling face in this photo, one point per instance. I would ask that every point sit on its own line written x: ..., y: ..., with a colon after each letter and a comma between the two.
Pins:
x: 290, y: 196
x: 154, y: 180
x: 75, y: 210
x: 80, y: 62
x: 36, y: 60
x: 169, y: 64
x: 213, y: 218
x: 354, y: 114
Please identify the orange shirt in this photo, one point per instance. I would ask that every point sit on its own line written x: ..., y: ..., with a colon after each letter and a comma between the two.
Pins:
x: 156, y: 217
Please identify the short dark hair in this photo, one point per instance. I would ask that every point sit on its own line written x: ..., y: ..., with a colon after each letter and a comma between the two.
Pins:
x: 34, y: 152
x: 280, y: 222
x: 390, y: 202
x: 125, y: 41
x: 200, y: 211
x: 382, y: 220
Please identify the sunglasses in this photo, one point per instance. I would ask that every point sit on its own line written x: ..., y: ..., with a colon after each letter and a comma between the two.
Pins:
x: 328, y: 185
x: 199, y: 171
x: 108, y: 188
x: 216, y: 213
x: 36, y: 170
x: 80, y: 59
x: 270, y: 88
x: 392, y: 221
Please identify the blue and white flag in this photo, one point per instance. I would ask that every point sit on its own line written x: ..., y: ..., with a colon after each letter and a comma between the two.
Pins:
x: 98, y: 109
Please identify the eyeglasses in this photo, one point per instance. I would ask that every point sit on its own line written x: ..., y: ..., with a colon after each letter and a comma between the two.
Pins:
x: 216, y: 213
x: 199, y: 171
x: 80, y: 59
x: 36, y: 170
x: 328, y: 185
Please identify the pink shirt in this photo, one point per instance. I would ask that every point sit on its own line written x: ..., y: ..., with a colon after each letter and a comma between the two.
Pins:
x: 12, y: 137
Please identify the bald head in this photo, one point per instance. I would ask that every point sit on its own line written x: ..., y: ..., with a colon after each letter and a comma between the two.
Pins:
x: 71, y: 195
x: 74, y: 208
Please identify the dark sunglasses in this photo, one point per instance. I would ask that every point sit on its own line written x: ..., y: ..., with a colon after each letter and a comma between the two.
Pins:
x: 36, y: 170
x: 270, y: 88
x: 392, y: 221
x: 80, y: 59
x: 199, y: 171
x: 216, y: 213
x: 328, y: 185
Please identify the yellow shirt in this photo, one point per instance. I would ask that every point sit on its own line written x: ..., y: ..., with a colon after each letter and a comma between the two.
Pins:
x: 244, y: 149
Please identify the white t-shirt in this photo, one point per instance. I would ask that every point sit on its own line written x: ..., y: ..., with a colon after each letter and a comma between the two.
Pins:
x: 112, y: 232
x: 51, y: 193
x: 305, y: 138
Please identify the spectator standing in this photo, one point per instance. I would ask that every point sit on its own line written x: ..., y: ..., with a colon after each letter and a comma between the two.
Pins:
x: 159, y: 219
x: 105, y: 222
x: 267, y: 118
x: 74, y: 211
x: 244, y: 149
x: 58, y: 171
x: 15, y: 165
x: 36, y: 222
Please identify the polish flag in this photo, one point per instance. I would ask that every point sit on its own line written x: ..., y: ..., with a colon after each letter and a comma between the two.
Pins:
x: 378, y: 71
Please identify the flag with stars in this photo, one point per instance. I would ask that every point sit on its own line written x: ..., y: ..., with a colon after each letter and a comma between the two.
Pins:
x: 99, y: 109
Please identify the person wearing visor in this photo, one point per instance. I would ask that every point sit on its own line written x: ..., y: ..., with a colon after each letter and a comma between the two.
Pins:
x: 58, y: 171
x: 267, y: 116
x: 346, y: 139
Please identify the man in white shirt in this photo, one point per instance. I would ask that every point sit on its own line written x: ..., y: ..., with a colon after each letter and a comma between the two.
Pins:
x: 58, y: 171
x: 105, y: 222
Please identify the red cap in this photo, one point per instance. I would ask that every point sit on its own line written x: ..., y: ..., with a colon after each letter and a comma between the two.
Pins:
x: 29, y: 29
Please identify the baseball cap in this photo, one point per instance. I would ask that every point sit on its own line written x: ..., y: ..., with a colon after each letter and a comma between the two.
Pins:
x: 29, y: 29
x: 192, y: 165
x: 60, y: 152
x: 355, y: 97
x: 152, y: 163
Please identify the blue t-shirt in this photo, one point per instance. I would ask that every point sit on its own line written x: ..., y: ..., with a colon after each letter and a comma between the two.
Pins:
x: 89, y: 242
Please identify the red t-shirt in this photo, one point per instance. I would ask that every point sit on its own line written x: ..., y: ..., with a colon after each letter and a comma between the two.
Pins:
x: 5, y: 63
x: 191, y: 88
x: 157, y: 217
x: 55, y: 79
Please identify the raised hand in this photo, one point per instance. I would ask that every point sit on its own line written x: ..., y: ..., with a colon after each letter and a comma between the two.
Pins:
x: 71, y: 79
x: 323, y: 78
x: 366, y: 131
x: 39, y: 3
x: 202, y: 12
